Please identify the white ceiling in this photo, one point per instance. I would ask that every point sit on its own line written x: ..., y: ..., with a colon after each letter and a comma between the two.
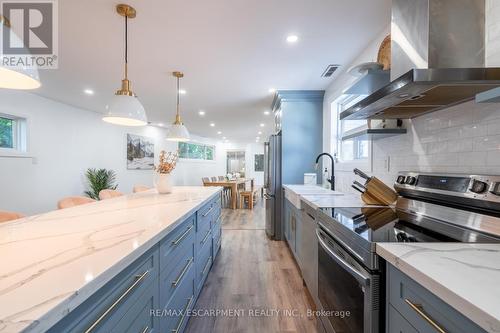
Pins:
x: 231, y: 51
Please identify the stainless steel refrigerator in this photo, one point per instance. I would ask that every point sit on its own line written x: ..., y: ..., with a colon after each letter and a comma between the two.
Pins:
x: 272, y: 186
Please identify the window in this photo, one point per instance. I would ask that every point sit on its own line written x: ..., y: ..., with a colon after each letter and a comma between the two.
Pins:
x: 236, y: 162
x: 352, y: 149
x: 12, y: 134
x: 6, y: 133
x: 196, y: 151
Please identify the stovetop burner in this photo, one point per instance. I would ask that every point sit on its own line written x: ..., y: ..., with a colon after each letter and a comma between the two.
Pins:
x: 382, y: 224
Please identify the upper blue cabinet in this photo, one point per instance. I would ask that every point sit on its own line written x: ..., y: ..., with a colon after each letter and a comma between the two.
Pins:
x: 299, y: 119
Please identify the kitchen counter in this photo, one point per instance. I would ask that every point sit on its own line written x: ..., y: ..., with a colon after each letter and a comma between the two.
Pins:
x: 53, y: 262
x: 465, y: 276
x: 346, y: 200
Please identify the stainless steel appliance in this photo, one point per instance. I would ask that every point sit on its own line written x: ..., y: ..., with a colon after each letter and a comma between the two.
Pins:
x: 272, y: 186
x: 436, y: 63
x: 431, y: 208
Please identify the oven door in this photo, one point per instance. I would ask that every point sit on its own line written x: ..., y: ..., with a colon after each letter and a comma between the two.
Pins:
x: 348, y: 293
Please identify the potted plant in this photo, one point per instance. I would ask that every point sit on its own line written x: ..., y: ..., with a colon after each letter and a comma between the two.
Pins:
x: 98, y: 180
x: 166, y: 165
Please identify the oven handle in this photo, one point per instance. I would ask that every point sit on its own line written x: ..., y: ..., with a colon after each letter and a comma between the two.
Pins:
x: 360, y: 277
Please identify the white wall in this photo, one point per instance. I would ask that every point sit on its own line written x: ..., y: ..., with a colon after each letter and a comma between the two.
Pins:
x: 462, y: 139
x: 64, y: 141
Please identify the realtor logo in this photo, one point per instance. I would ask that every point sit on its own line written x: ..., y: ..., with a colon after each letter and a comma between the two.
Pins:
x: 29, y: 34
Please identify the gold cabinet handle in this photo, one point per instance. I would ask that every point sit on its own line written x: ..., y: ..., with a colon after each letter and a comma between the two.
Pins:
x: 145, y: 330
x: 208, y: 212
x: 206, y: 237
x: 206, y: 265
x: 184, y: 270
x: 138, y: 279
x: 179, y: 325
x: 418, y: 308
x: 178, y: 240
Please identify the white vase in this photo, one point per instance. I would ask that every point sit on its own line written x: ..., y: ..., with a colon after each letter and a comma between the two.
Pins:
x: 163, y: 183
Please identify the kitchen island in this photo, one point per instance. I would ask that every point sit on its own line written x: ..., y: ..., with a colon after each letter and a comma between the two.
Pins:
x: 84, y: 268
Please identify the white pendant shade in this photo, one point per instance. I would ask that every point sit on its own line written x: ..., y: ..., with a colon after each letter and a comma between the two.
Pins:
x: 126, y: 111
x: 178, y: 132
x: 22, y: 78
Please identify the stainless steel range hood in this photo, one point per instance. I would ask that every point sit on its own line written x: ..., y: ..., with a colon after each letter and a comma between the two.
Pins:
x: 438, y: 60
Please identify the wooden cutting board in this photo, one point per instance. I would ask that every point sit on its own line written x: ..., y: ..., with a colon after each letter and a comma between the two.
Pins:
x: 384, y: 53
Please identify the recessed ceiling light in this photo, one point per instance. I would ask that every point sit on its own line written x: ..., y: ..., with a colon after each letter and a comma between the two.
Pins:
x: 223, y: 138
x: 267, y: 113
x: 292, y: 38
x: 88, y: 91
x: 262, y: 125
x: 161, y: 124
x: 219, y: 132
x: 259, y: 133
x: 201, y: 113
x: 272, y: 90
x: 182, y: 91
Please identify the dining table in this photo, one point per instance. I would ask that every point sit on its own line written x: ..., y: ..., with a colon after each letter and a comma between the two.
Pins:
x: 232, y: 184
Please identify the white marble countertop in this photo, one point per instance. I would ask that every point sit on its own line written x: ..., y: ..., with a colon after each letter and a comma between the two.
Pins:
x: 465, y: 276
x: 346, y: 200
x: 310, y: 189
x: 51, y: 263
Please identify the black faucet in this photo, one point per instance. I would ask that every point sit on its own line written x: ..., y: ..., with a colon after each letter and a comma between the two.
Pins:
x: 331, y: 180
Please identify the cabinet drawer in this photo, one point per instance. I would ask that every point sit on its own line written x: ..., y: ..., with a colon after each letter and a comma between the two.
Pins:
x: 171, y: 280
x: 204, y: 216
x: 138, y: 318
x: 216, y: 244
x: 103, y: 310
x: 177, y: 244
x: 422, y: 309
x: 202, y: 238
x: 204, y: 261
x: 175, y: 318
x: 397, y: 324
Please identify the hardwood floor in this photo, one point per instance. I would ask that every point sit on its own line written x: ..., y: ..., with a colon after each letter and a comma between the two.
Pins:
x: 256, y: 278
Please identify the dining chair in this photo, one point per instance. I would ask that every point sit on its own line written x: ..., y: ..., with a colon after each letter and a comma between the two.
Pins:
x: 6, y: 216
x: 109, y: 194
x: 205, y: 180
x: 73, y: 201
x: 140, y: 188
x: 221, y: 178
x: 214, y: 179
x: 248, y: 194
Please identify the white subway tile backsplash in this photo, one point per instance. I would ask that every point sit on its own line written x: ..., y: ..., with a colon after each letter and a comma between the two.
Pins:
x: 493, y: 159
x: 472, y: 159
x: 493, y: 127
x: 487, y: 143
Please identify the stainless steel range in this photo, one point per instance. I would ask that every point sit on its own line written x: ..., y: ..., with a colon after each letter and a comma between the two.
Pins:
x: 431, y: 208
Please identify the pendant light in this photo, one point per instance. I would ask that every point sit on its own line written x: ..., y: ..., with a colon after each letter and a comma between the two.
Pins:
x: 177, y: 131
x: 125, y: 109
x: 22, y: 78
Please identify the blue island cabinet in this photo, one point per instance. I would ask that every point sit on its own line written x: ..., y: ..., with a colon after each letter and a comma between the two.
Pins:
x: 155, y: 292
x: 411, y: 309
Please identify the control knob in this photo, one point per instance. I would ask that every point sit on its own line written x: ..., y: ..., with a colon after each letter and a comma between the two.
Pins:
x: 478, y: 187
x: 410, y: 180
x: 401, y: 180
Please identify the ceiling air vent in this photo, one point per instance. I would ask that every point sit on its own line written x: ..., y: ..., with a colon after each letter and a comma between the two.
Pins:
x: 330, y: 70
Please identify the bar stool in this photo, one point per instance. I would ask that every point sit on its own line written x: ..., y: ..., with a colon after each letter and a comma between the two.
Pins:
x: 73, y: 201
x: 109, y: 194
x: 6, y: 216
x: 205, y: 180
x: 140, y: 188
